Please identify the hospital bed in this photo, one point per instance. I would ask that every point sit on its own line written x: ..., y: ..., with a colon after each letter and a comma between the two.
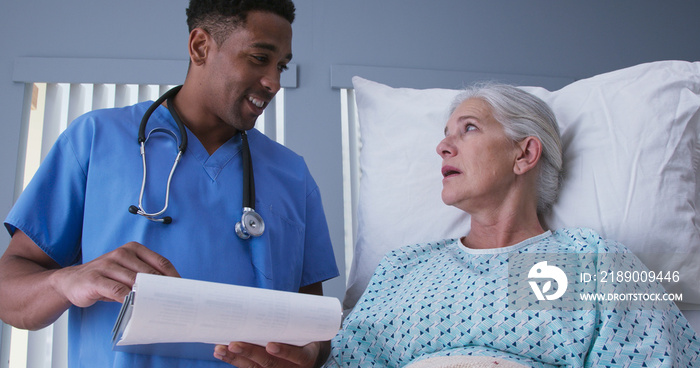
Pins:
x: 631, y: 150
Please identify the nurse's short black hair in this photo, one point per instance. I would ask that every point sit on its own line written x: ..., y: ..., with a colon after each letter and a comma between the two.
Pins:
x: 220, y: 17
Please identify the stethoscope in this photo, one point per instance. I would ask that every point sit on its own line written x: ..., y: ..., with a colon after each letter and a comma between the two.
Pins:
x: 251, y: 223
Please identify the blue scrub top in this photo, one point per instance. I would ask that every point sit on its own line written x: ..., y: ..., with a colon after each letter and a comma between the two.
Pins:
x: 76, y: 209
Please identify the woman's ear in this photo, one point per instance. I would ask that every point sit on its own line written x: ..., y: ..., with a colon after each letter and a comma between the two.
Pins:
x: 199, y: 44
x: 529, y: 152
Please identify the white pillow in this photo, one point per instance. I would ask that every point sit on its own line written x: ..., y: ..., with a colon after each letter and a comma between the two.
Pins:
x: 631, y: 151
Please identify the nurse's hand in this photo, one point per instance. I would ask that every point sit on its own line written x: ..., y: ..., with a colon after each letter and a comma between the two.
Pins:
x: 110, y: 276
x: 274, y: 355
x: 35, y: 290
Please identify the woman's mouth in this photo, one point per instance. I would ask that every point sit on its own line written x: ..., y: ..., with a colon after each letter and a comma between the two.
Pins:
x: 448, y: 171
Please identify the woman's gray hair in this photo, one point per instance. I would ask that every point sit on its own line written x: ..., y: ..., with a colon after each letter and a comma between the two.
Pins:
x: 525, y: 115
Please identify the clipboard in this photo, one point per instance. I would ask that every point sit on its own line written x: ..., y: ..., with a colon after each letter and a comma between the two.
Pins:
x: 188, y: 350
x: 234, y: 313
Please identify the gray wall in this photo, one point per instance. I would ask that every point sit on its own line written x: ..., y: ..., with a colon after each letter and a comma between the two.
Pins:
x: 574, y: 39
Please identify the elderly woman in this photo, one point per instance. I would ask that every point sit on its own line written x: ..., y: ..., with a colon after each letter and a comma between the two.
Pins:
x: 502, y: 164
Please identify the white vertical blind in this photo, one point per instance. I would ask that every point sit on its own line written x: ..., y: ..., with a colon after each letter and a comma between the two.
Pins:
x: 57, y: 105
x: 279, y: 117
x: 351, y: 144
x: 103, y: 96
x: 126, y: 95
x: 55, y: 115
x: 5, y: 331
x: 79, y: 100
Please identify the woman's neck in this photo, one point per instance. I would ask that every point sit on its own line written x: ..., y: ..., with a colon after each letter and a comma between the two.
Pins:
x: 502, y: 229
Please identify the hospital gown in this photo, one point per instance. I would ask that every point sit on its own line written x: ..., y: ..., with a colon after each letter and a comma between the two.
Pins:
x: 441, y: 298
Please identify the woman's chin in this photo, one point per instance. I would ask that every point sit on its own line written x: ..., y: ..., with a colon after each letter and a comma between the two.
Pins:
x: 449, y: 199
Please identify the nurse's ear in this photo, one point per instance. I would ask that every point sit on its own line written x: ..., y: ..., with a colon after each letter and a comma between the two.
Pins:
x: 200, y: 42
x: 529, y: 151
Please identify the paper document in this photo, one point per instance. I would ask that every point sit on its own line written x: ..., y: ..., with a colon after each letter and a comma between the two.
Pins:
x: 164, y: 309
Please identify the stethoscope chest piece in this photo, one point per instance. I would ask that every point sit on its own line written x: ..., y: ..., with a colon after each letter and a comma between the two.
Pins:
x: 251, y: 224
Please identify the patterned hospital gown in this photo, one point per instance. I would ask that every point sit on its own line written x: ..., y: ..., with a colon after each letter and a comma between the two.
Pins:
x: 442, y: 298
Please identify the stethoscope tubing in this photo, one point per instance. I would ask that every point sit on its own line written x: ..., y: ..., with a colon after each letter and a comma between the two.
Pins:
x: 141, y: 210
x: 248, y: 180
x: 166, y: 96
x: 251, y: 223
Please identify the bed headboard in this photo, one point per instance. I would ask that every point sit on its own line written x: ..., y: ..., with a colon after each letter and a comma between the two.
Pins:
x: 631, y: 148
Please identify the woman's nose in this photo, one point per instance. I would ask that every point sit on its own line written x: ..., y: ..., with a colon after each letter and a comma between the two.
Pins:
x: 445, y: 148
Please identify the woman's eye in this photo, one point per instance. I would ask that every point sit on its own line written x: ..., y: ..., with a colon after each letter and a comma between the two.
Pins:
x: 469, y: 127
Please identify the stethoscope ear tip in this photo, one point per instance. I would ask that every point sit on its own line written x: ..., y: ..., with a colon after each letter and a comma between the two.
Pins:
x: 133, y: 209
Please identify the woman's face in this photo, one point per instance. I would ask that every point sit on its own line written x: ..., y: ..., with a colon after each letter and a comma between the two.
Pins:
x: 477, y: 158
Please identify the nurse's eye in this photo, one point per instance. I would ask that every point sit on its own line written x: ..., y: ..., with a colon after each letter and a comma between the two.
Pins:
x: 260, y: 59
x: 282, y: 67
